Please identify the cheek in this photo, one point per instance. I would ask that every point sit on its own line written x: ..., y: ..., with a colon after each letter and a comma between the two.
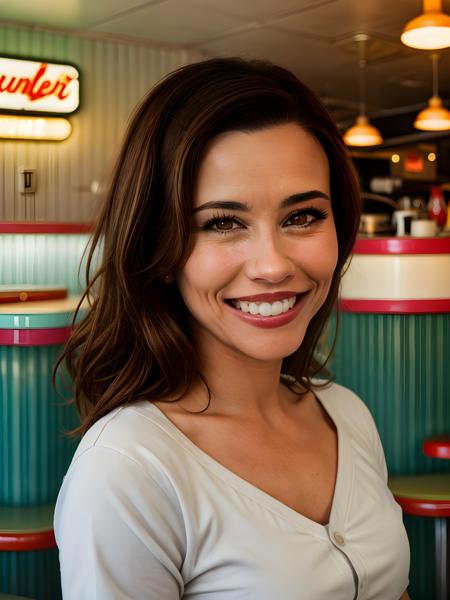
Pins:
x: 330, y: 253
x: 208, y: 268
x: 323, y: 258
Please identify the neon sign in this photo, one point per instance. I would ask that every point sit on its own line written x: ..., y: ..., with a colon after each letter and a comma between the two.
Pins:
x: 27, y: 85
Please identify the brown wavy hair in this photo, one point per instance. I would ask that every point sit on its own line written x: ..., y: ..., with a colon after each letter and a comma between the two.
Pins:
x: 135, y: 339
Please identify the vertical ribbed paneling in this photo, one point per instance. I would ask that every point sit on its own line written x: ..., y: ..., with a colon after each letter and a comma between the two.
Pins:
x: 31, y: 574
x: 44, y: 259
x: 399, y: 365
x: 114, y: 77
x: 34, y: 453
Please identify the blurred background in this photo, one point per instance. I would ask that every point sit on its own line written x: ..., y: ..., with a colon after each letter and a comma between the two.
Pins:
x: 123, y: 47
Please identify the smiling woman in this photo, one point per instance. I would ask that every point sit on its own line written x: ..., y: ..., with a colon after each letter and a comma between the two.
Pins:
x: 215, y: 464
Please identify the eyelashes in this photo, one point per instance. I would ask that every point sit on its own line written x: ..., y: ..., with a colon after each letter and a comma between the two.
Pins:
x: 309, y: 215
x: 302, y: 218
x: 222, y: 223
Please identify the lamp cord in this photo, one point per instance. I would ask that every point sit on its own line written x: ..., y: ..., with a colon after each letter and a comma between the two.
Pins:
x: 362, y: 40
x: 435, y: 58
x: 362, y: 87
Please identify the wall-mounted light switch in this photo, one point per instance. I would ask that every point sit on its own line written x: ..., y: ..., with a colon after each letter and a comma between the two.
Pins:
x: 27, y: 180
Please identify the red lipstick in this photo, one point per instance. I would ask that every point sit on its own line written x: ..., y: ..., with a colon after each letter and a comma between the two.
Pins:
x: 267, y: 297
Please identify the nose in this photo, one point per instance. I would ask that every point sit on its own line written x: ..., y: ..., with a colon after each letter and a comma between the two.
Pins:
x: 268, y: 259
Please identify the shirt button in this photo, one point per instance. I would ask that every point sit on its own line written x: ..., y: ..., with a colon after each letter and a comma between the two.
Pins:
x: 339, y: 538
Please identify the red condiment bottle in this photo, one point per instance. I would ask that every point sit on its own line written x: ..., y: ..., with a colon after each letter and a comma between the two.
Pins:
x: 437, y: 209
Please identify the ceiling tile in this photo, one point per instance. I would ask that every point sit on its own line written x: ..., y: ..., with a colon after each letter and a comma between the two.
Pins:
x: 75, y: 14
x: 345, y: 16
x: 261, y: 10
x: 173, y: 22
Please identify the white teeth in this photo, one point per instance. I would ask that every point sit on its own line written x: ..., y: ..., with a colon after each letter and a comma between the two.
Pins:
x: 277, y: 308
x: 244, y: 306
x: 265, y: 309
x: 253, y: 308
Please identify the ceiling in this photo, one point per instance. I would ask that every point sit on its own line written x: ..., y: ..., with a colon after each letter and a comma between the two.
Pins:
x: 313, y: 38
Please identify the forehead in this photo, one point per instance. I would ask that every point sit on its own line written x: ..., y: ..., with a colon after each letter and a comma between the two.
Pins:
x: 279, y: 159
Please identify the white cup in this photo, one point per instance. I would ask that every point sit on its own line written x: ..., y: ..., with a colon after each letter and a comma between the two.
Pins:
x: 399, y: 218
x: 423, y: 228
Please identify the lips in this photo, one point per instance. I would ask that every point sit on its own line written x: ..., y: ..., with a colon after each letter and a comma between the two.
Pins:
x: 267, y: 297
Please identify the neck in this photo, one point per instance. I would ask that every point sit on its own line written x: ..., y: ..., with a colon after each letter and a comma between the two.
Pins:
x: 240, y: 386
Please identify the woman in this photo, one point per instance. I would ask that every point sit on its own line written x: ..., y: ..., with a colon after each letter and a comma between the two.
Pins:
x: 214, y: 464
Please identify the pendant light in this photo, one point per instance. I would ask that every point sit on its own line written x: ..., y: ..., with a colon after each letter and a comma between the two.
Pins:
x: 429, y: 31
x: 362, y: 133
x: 435, y: 117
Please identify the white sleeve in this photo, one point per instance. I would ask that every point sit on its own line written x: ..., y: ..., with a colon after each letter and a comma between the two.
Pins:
x: 119, y: 531
x: 375, y: 440
x: 379, y: 452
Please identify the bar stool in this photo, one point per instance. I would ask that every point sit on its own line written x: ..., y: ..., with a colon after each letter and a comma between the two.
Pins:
x: 25, y: 529
x: 429, y: 496
x: 437, y: 446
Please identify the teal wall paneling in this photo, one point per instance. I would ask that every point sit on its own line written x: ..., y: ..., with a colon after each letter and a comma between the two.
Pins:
x: 32, y: 574
x: 399, y: 365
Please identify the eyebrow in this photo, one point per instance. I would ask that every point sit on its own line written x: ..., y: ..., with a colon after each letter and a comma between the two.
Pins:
x: 289, y: 201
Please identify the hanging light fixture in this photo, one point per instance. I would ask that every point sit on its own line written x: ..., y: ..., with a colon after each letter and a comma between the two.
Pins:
x: 435, y: 117
x: 429, y: 31
x: 362, y: 133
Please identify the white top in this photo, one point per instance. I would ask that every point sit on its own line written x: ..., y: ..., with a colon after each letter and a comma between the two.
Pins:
x: 144, y: 513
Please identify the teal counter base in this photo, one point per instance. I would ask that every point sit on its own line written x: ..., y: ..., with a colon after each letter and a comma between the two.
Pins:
x: 34, y: 450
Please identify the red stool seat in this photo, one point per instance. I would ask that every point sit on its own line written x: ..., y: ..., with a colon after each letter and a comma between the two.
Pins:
x: 26, y: 528
x: 429, y: 496
x: 424, y: 495
x: 437, y: 446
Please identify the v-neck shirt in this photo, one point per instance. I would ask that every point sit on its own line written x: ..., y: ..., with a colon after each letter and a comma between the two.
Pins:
x: 144, y: 513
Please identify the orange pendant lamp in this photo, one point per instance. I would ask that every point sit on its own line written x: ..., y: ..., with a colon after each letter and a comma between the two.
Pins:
x: 435, y: 117
x: 429, y: 31
x: 362, y: 134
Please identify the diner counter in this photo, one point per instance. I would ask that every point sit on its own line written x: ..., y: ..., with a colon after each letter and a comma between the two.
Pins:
x: 38, y: 323
x: 398, y: 275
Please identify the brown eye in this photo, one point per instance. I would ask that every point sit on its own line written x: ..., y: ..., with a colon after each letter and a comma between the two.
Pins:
x: 305, y: 218
x: 298, y: 219
x: 223, y: 224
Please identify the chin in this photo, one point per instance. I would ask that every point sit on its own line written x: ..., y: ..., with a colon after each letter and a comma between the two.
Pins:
x: 273, y: 351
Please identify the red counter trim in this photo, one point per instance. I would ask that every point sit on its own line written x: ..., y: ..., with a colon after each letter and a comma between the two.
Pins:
x: 19, y: 542
x: 44, y: 227
x: 434, y: 305
x: 424, y: 508
x: 31, y: 295
x: 402, y: 246
x: 34, y: 337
